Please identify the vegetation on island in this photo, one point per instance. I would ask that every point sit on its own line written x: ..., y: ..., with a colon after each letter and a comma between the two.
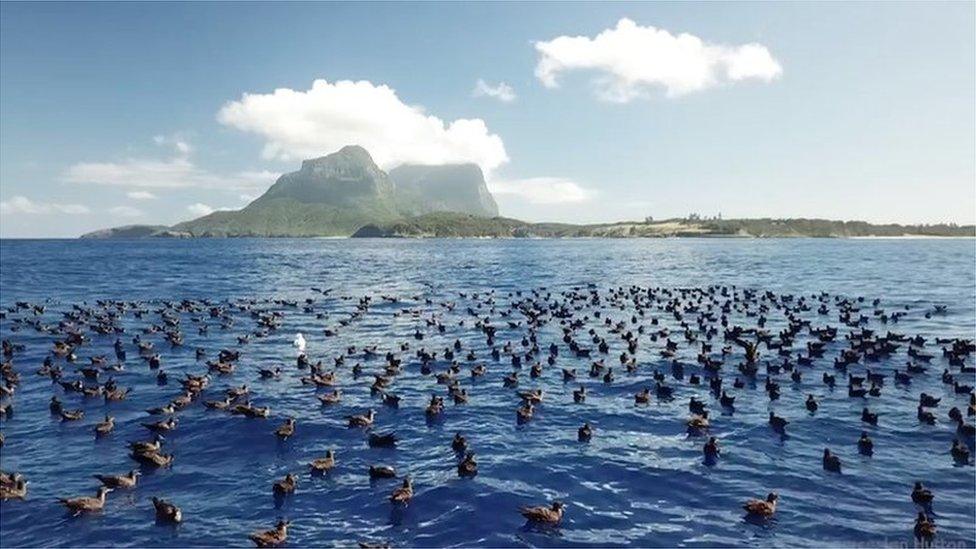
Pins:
x: 347, y: 194
x: 452, y: 225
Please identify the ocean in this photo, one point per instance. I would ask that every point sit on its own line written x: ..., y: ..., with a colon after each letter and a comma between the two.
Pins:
x: 641, y: 481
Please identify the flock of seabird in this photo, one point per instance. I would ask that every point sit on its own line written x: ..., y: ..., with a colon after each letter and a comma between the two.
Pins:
x: 604, y: 328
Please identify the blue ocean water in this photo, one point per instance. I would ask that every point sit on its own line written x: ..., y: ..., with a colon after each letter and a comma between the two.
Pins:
x: 640, y: 481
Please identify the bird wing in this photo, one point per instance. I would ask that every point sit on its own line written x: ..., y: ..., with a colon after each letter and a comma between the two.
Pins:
x: 756, y: 506
x: 534, y: 513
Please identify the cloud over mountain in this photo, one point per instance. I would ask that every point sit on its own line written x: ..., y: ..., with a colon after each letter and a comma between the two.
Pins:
x: 307, y: 124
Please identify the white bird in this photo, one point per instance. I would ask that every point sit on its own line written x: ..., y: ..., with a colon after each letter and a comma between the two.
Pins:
x: 299, y: 342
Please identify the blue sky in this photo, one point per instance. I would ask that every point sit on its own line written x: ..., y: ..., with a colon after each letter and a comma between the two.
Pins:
x: 134, y: 113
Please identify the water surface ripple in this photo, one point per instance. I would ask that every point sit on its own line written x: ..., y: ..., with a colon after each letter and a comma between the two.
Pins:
x: 640, y: 481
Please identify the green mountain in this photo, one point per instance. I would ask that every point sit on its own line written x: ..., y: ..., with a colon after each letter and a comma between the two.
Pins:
x: 448, y: 188
x: 329, y: 196
x: 337, y: 194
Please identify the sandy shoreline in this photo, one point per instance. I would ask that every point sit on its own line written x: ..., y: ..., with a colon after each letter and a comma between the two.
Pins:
x: 910, y: 237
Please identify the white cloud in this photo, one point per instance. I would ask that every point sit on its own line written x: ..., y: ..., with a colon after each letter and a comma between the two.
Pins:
x: 543, y: 190
x: 141, y: 195
x: 181, y: 146
x: 633, y: 60
x: 502, y: 91
x: 125, y: 211
x: 23, y: 205
x: 258, y: 179
x: 171, y: 173
x: 247, y: 198
x: 174, y: 173
x: 305, y: 124
x: 200, y: 209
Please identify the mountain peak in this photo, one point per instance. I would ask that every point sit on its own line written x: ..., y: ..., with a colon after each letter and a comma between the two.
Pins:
x: 338, y: 193
x: 343, y: 178
x: 350, y: 155
x: 459, y: 188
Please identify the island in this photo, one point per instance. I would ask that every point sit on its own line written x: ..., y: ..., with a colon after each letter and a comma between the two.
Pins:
x: 345, y: 194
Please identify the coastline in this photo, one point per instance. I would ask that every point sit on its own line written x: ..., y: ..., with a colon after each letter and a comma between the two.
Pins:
x: 506, y: 237
x: 913, y: 237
